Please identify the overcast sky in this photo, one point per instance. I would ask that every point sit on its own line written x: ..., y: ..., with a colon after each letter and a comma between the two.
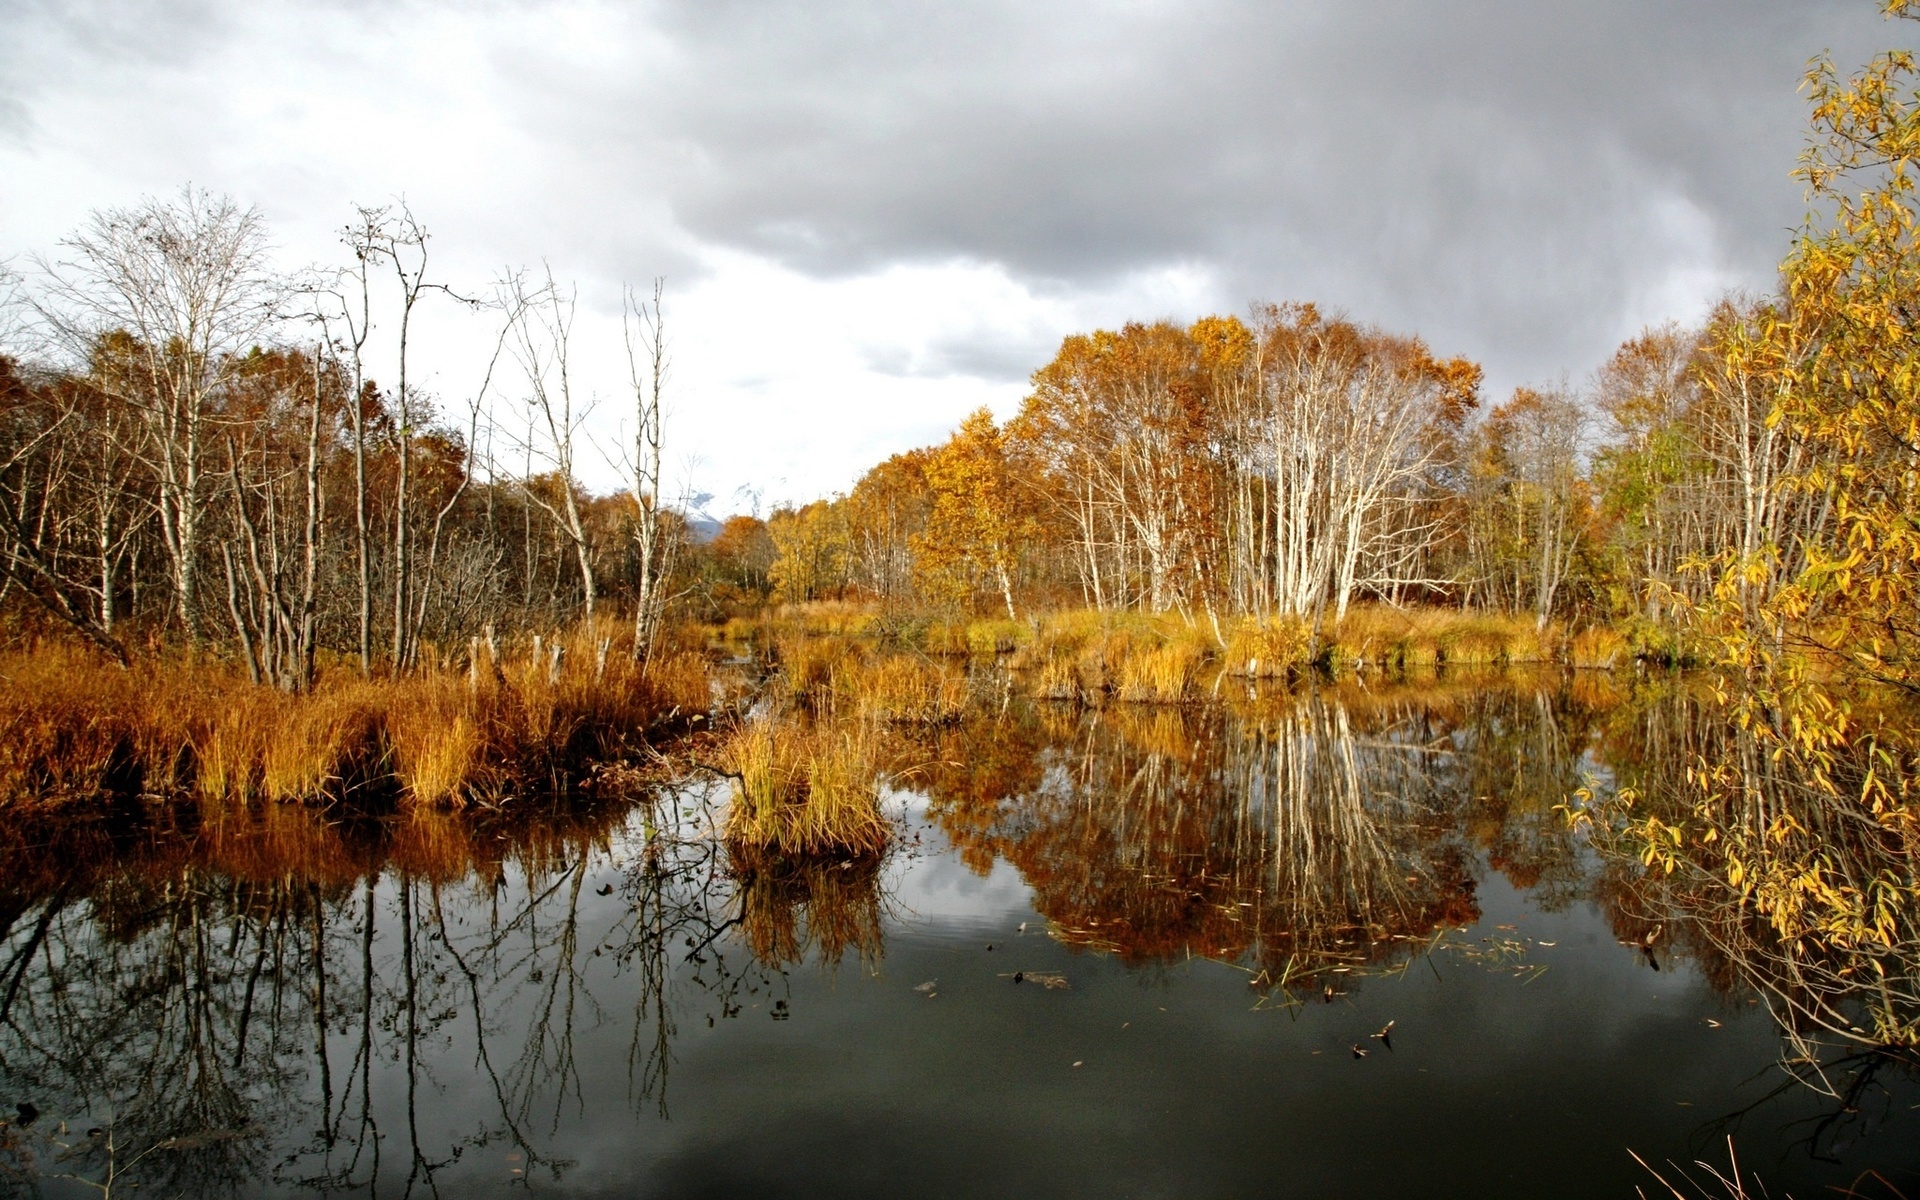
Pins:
x: 875, y: 217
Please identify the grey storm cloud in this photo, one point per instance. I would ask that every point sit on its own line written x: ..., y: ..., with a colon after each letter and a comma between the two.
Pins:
x: 1515, y: 179
x: 1506, y: 177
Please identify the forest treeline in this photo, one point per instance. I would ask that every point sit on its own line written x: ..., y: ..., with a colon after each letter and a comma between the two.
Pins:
x: 205, y: 451
x: 198, y: 448
x: 1295, y: 463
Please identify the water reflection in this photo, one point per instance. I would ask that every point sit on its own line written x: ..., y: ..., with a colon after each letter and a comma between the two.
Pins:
x: 274, y: 995
x: 1836, y: 957
x: 280, y: 1000
x: 1300, y: 833
x: 788, y: 909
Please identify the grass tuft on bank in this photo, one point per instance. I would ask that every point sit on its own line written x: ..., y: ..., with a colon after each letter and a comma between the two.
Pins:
x: 804, y: 789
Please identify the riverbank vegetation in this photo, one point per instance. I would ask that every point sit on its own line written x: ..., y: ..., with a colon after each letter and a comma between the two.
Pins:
x: 293, y: 579
x: 513, y: 719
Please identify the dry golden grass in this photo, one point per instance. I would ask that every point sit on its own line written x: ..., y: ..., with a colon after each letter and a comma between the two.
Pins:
x: 944, y: 637
x: 81, y: 727
x: 805, y: 790
x: 810, y: 665
x: 76, y: 725
x: 872, y: 622
x: 906, y: 689
x: 232, y: 757
x: 328, y: 742
x: 1597, y: 646
x: 1266, y: 648
x: 1059, y: 679
x: 996, y: 636
x: 826, y: 618
x: 435, y: 736
x: 1163, y: 674
x: 1088, y: 656
x: 1382, y: 636
x: 1162, y: 659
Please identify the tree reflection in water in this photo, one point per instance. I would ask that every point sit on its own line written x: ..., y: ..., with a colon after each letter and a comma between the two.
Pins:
x: 1840, y: 973
x: 197, y: 994
x: 283, y: 997
x: 1302, y: 833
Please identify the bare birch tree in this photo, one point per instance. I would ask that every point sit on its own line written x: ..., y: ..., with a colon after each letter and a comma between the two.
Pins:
x: 542, y: 334
x: 344, y: 308
x: 644, y: 323
x: 187, y: 282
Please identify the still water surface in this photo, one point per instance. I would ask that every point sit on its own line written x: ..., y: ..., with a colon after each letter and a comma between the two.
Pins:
x: 1210, y: 913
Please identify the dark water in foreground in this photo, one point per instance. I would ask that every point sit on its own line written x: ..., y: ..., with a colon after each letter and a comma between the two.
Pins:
x: 1220, y: 905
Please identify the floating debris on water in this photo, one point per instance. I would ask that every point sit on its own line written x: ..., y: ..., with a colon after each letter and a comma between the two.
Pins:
x: 1046, y: 979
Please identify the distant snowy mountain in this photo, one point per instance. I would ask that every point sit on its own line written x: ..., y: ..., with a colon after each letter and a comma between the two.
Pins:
x: 701, y: 523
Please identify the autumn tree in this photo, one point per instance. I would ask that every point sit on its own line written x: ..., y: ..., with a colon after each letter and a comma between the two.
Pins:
x: 975, y: 528
x: 1532, y: 507
x: 1346, y: 433
x: 1119, y: 428
x: 743, y: 553
x: 1648, y: 469
x: 1803, y: 827
x: 810, y: 551
x: 1848, y: 353
x: 886, y: 511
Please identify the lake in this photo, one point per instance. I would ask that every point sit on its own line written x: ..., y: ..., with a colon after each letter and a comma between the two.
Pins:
x: 1130, y: 951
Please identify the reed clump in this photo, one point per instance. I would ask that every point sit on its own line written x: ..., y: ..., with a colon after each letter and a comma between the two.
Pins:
x: 842, y: 676
x: 1059, y: 679
x: 1266, y: 647
x: 805, y: 790
x: 906, y: 689
x: 1000, y: 635
x: 810, y: 666
x: 329, y: 742
x: 881, y: 627
x: 1163, y: 674
x: 1597, y: 646
x: 77, y: 725
x: 1385, y: 637
x: 83, y: 728
x: 825, y: 618
x: 1091, y: 657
